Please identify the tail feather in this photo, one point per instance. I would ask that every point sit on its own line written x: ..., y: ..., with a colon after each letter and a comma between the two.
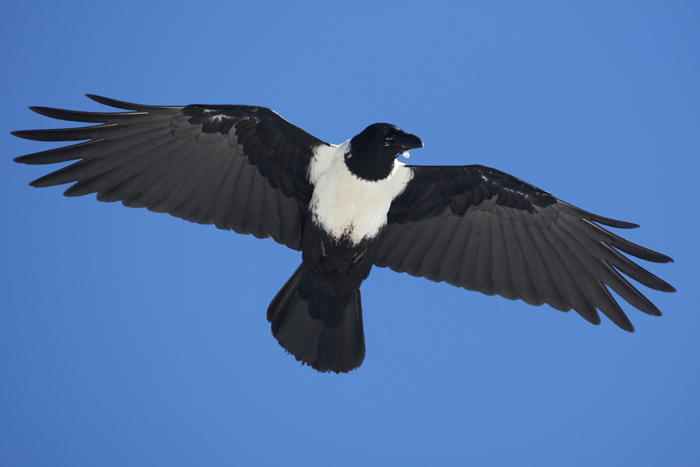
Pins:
x: 340, y: 349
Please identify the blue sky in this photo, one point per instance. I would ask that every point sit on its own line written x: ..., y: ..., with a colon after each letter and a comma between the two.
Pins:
x: 134, y: 338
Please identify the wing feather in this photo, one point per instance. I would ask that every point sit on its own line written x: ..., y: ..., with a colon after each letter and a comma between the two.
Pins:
x: 516, y: 268
x: 238, y: 167
x: 537, y: 270
x: 481, y: 229
x: 467, y: 274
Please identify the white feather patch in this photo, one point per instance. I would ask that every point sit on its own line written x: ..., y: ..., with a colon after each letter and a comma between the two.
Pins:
x: 345, y: 205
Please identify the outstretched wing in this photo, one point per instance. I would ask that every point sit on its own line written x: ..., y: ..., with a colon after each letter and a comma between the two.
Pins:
x: 242, y: 168
x: 481, y: 229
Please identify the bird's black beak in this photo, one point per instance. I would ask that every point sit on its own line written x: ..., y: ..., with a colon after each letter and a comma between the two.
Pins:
x: 407, y: 141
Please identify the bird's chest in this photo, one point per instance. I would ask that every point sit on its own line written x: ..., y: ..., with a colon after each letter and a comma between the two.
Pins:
x: 350, y: 208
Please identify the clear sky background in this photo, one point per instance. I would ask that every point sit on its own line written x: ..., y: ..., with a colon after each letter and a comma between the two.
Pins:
x: 134, y: 338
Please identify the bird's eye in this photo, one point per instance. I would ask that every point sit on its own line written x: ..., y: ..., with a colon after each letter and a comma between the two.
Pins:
x: 385, y: 131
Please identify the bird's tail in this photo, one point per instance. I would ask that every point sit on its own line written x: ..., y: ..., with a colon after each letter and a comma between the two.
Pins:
x: 339, y: 349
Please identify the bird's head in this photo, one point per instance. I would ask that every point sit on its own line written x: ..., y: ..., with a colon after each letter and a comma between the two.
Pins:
x: 372, y: 153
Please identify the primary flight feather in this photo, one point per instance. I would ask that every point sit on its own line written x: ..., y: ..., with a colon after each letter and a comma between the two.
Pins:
x: 347, y: 208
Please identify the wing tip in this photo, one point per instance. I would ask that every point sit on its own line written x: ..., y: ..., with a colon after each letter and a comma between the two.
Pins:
x: 41, y: 182
x: 24, y: 134
x: 111, y: 102
x: 97, y: 98
x: 41, y: 110
x: 614, y: 222
x: 665, y: 259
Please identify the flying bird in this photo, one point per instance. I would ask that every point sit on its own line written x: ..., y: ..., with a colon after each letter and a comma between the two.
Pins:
x: 347, y: 208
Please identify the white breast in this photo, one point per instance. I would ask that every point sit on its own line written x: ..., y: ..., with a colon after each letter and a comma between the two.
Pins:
x: 345, y: 205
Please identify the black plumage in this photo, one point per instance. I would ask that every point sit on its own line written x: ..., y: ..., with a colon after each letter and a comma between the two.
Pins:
x: 493, y: 233
x: 245, y: 168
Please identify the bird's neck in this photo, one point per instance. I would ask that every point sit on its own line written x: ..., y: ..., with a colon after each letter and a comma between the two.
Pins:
x: 367, y: 166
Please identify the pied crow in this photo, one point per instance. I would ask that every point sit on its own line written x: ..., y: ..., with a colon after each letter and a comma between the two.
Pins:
x: 347, y: 208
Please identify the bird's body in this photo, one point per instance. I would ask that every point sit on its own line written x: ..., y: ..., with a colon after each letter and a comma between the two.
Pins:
x: 346, y: 215
x: 347, y: 208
